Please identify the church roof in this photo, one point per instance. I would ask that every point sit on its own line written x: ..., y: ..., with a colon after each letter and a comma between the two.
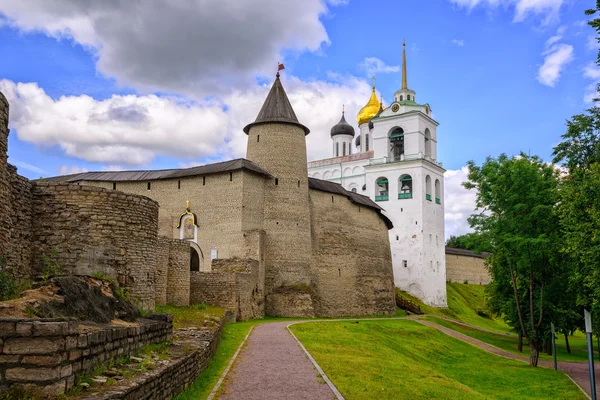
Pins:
x: 342, y: 128
x: 277, y: 108
x: 149, y: 175
x: 336, y: 188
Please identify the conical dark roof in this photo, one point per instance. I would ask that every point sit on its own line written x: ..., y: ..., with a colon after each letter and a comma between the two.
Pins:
x: 342, y: 128
x: 277, y: 108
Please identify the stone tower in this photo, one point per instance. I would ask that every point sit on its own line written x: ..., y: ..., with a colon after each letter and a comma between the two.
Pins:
x: 276, y: 142
x: 4, y: 179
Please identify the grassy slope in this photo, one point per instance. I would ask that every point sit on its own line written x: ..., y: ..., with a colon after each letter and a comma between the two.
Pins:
x: 463, y: 303
x: 403, y: 359
x: 509, y: 342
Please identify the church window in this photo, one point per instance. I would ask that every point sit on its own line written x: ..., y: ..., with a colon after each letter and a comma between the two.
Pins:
x: 381, y: 189
x: 344, y: 149
x: 114, y: 185
x: 337, y: 149
x: 178, y: 185
x: 428, y: 187
x: 401, y: 98
x: 405, y: 186
x: 149, y: 186
x: 367, y: 142
x: 427, y: 143
x: 349, y: 148
x: 438, y: 190
x: 408, y: 97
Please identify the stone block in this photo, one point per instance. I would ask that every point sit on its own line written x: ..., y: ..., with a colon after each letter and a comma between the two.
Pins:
x: 50, y: 360
x: 50, y: 328
x: 75, y: 354
x: 38, y: 345
x: 6, y: 359
x: 82, y: 341
x: 24, y: 328
x: 71, y: 342
x: 32, y: 374
x: 7, y: 329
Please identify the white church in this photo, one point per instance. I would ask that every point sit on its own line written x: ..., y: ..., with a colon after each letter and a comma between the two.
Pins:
x: 396, y: 165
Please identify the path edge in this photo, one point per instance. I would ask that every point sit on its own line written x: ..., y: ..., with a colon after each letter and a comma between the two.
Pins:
x: 215, y: 389
x: 334, y: 389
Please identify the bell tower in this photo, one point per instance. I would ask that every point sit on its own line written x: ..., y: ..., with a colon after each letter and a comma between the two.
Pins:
x: 276, y: 142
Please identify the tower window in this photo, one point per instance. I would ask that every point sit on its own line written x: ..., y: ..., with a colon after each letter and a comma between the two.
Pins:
x: 178, y: 185
x: 367, y: 142
x: 149, y: 186
x: 381, y: 189
x: 344, y: 149
x: 114, y: 185
x: 230, y: 176
x: 405, y: 187
x: 408, y: 97
x: 405, y: 263
x: 401, y: 98
x: 337, y: 149
x: 203, y: 181
x: 276, y: 181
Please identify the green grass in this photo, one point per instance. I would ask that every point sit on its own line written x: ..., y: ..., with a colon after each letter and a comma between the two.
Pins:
x: 508, y: 342
x: 191, y: 316
x: 404, y: 359
x: 464, y: 303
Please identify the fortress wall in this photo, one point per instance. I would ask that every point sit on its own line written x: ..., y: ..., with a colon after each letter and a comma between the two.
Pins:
x: 178, y: 276
x: 161, y: 271
x: 352, y: 270
x: 89, y: 230
x: 470, y: 268
x: 216, y: 200
x: 5, y: 209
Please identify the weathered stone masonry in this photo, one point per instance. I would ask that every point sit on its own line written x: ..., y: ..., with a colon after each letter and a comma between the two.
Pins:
x: 48, y: 354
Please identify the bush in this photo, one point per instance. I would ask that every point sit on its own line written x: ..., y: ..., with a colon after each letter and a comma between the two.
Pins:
x: 9, y: 289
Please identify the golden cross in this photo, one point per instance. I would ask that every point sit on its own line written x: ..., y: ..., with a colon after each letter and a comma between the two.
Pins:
x: 374, y: 80
x: 187, y: 204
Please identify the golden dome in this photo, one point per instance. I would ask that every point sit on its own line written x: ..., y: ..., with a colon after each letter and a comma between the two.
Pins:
x: 370, y: 110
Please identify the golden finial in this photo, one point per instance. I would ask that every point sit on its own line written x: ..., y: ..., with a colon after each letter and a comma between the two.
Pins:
x: 187, y: 205
x: 343, y: 109
x: 404, y: 79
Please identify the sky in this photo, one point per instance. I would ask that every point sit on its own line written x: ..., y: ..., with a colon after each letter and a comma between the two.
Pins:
x: 152, y: 84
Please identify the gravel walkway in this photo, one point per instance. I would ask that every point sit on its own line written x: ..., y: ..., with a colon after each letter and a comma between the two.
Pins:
x: 578, y: 371
x: 273, y: 366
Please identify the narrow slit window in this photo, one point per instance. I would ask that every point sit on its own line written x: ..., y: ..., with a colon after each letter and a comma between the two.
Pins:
x: 178, y: 185
x: 114, y: 185
x: 203, y: 181
x: 230, y: 176
x: 298, y: 183
x: 276, y: 181
x: 149, y: 186
x: 257, y: 138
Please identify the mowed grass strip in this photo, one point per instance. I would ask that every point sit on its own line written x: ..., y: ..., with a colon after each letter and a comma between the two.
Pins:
x: 407, y: 360
x: 509, y: 342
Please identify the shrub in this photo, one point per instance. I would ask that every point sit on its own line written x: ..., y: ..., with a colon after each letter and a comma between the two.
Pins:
x: 9, y: 289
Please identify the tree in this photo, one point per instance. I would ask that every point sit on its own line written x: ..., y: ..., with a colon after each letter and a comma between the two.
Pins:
x: 579, y: 207
x: 516, y: 199
x: 475, y: 241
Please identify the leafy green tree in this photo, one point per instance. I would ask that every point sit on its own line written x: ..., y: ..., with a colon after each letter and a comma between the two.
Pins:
x: 516, y: 199
x: 475, y: 241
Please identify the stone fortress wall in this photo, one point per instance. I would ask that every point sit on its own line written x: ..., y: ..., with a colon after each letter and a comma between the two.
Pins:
x: 466, y: 266
x: 351, y: 258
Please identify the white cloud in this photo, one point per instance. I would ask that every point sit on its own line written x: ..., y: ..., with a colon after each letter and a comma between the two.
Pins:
x: 459, y: 202
x: 592, y: 42
x: 28, y: 167
x: 197, y: 47
x: 592, y: 72
x: 374, y: 65
x: 457, y: 42
x: 132, y: 130
x: 547, y: 9
x: 69, y: 170
x: 556, y: 57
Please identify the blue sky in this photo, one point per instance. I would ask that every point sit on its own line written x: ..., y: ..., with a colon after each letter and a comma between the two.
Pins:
x: 130, y: 85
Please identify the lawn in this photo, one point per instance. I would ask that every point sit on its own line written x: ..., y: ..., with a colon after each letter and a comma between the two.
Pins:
x: 508, y: 342
x: 193, y: 316
x: 404, y: 359
x: 464, y: 303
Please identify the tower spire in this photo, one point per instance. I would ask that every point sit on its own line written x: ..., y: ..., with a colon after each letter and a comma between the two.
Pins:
x: 404, y: 79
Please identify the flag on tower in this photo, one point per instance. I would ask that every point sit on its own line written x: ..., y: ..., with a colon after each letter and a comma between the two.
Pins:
x: 280, y: 67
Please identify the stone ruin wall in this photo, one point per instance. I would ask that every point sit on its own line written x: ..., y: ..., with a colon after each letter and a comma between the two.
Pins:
x: 467, y: 268
x: 352, y: 266
x: 172, y: 273
x: 48, y: 354
x: 5, y: 202
x: 92, y: 230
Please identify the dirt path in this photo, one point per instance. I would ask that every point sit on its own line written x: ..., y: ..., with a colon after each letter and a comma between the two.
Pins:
x: 273, y: 366
x: 578, y: 371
